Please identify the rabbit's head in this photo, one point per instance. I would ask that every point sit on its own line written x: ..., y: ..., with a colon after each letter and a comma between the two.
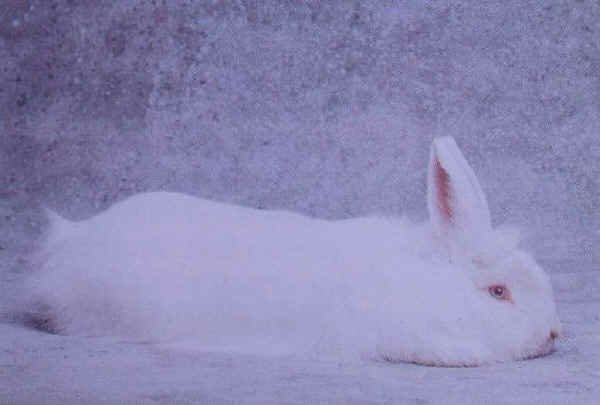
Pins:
x: 508, y: 309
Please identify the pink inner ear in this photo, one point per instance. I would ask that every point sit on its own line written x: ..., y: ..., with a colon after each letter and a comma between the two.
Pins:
x: 442, y: 183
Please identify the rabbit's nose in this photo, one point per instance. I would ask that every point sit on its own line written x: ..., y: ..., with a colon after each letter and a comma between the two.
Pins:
x: 554, y: 334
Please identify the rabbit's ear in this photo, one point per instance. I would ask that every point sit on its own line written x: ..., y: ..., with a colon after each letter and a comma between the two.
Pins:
x: 455, y: 199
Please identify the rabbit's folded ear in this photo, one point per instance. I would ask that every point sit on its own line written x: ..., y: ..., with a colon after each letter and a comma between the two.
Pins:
x: 457, y: 205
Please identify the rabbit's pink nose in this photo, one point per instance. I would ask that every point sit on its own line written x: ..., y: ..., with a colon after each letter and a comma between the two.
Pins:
x: 553, y: 334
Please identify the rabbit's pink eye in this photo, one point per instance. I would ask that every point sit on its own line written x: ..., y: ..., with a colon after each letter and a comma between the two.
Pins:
x: 500, y: 292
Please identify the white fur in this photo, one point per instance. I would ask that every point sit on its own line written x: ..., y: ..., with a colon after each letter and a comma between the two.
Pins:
x: 171, y: 266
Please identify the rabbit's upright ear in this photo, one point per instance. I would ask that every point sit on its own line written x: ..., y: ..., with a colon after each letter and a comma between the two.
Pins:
x: 455, y: 199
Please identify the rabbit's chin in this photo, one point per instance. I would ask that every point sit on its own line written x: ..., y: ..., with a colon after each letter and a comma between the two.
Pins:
x: 429, y: 362
x: 544, y: 349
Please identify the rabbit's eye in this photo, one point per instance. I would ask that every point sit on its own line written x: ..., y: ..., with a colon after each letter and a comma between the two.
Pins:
x: 499, y: 292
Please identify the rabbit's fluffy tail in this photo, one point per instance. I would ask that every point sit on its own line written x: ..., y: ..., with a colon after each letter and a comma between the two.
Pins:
x: 54, y: 219
x: 58, y: 227
x: 25, y: 308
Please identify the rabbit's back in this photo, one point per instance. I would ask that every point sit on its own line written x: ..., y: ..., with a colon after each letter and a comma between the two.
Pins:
x: 167, y: 264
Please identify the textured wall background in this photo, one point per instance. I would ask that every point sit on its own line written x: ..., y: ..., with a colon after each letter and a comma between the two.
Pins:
x: 326, y: 108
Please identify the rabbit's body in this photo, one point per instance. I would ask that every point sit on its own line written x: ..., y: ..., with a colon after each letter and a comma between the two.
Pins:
x: 166, y: 265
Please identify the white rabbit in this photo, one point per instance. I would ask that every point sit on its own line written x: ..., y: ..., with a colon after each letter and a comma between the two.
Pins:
x: 163, y: 265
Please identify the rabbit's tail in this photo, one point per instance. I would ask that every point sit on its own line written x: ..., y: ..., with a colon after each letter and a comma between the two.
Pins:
x: 21, y: 304
x: 58, y: 227
x: 53, y: 217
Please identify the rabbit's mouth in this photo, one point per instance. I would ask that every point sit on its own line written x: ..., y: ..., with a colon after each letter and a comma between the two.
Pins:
x: 545, y: 349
